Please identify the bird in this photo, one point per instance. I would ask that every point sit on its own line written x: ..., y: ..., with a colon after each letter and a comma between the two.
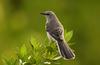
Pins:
x: 55, y: 31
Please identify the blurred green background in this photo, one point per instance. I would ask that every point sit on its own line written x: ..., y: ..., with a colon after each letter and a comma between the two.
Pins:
x: 19, y: 19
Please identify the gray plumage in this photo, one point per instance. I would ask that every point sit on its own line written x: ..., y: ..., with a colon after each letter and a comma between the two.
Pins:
x: 55, y: 30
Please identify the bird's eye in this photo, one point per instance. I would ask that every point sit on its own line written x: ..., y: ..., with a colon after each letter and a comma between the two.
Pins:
x: 47, y: 14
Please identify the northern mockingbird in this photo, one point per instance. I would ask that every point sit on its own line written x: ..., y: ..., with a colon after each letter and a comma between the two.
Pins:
x: 55, y: 30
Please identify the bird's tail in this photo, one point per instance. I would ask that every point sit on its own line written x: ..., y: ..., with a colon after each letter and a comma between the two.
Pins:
x: 65, y: 50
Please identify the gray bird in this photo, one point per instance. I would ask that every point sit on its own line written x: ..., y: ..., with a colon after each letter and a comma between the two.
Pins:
x: 55, y: 31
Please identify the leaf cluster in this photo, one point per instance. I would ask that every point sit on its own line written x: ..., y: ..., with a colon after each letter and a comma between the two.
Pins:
x: 37, y: 53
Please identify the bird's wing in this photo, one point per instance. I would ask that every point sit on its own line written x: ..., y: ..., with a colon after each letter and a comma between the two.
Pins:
x: 57, y: 33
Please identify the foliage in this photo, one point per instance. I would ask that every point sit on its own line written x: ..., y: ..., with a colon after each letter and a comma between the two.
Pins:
x: 37, y: 53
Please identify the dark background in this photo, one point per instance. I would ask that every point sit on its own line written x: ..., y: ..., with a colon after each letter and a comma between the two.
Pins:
x: 20, y: 18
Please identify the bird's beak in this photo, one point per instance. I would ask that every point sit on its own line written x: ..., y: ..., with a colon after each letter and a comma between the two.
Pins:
x: 43, y: 13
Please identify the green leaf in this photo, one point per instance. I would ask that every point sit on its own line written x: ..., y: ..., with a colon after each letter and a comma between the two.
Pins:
x: 27, y: 64
x: 9, y: 61
x: 57, y: 58
x: 49, y: 49
x: 72, y: 43
x: 68, y: 35
x: 23, y: 50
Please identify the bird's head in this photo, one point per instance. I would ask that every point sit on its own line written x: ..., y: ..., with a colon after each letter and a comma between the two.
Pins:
x: 48, y: 14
